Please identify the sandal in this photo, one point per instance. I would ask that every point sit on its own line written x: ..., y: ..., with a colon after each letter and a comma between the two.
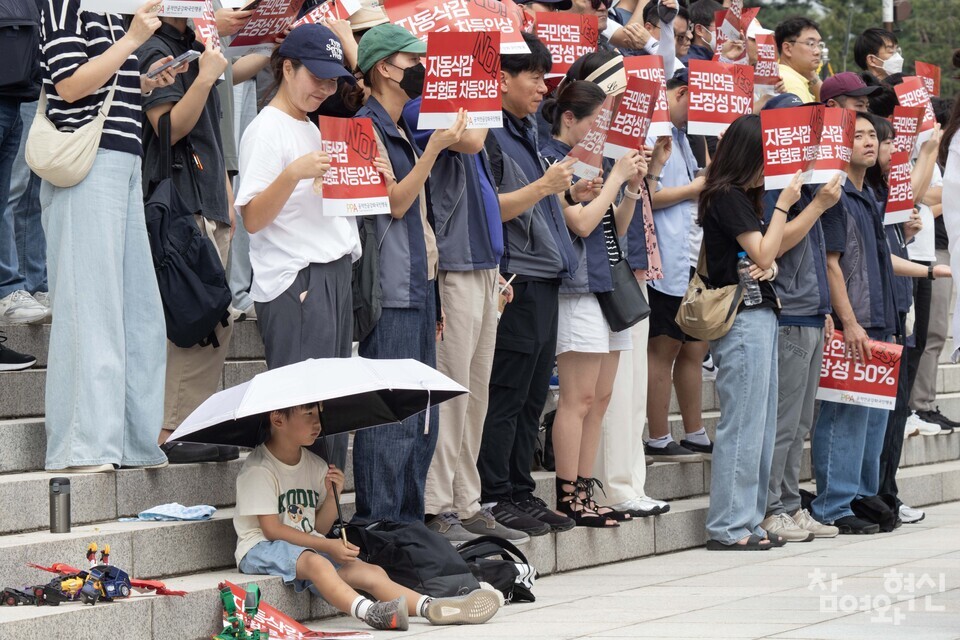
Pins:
x: 570, y: 504
x: 775, y: 540
x: 754, y: 543
x: 586, y: 487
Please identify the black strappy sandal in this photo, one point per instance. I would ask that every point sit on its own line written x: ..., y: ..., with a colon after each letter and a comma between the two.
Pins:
x: 570, y: 504
x: 586, y: 485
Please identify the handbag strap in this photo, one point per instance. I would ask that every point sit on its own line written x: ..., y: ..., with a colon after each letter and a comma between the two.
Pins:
x: 616, y: 239
x: 166, y: 149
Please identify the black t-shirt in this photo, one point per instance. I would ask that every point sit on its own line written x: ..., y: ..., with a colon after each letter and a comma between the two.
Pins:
x: 728, y: 217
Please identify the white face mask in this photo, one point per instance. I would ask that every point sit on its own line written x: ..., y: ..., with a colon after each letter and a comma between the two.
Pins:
x: 893, y: 65
x: 712, y: 42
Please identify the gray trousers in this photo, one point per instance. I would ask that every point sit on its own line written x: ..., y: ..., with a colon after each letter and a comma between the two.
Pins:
x: 800, y: 351
x: 923, y: 396
x: 313, y: 318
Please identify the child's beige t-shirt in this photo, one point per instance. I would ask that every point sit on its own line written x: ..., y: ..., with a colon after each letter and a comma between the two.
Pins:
x: 266, y: 485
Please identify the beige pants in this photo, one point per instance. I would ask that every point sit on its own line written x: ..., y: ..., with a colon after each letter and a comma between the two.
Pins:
x: 193, y: 374
x: 465, y: 355
x: 621, y: 465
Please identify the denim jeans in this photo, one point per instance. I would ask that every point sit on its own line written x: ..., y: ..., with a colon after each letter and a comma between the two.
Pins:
x: 746, y: 360
x: 10, y: 129
x: 24, y: 201
x: 108, y: 343
x: 390, y: 462
x: 846, y: 443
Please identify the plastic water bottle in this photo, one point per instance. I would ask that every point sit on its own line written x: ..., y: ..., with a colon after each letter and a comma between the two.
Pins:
x: 751, y: 288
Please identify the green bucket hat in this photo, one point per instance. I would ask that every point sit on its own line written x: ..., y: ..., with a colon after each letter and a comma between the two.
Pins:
x: 385, y: 40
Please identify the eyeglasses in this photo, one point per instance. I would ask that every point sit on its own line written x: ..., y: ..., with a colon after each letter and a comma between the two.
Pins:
x: 816, y: 45
x: 596, y: 4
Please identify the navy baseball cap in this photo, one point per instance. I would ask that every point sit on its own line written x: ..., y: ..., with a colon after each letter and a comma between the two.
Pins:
x: 315, y: 46
x: 783, y: 101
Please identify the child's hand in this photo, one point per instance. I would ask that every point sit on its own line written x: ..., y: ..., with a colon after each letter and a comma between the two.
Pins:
x: 343, y: 552
x: 334, y: 478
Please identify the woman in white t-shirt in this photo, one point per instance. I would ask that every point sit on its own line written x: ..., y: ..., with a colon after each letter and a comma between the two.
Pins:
x: 302, y: 260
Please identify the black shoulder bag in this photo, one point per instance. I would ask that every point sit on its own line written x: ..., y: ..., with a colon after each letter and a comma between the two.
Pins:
x: 625, y: 306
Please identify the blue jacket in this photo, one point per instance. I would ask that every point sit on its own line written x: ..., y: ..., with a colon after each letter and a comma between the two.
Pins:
x: 593, y: 273
x: 854, y: 227
x: 536, y: 243
x: 466, y: 239
x: 802, y: 284
x: 403, y: 249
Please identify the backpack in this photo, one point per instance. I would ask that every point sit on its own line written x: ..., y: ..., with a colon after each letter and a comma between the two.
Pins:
x: 190, y: 275
x: 499, y: 563
x: 20, y: 43
x: 414, y: 556
x: 367, y: 295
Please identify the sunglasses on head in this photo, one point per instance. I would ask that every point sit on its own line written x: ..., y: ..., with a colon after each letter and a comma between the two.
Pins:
x: 596, y: 4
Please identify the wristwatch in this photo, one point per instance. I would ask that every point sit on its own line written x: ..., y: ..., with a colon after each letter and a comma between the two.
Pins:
x: 930, y: 275
x: 568, y: 197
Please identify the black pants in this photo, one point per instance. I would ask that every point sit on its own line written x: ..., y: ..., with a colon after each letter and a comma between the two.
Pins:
x: 896, y: 423
x: 522, y: 362
x: 922, y: 296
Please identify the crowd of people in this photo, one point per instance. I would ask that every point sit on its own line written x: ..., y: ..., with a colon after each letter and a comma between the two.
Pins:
x: 481, y: 221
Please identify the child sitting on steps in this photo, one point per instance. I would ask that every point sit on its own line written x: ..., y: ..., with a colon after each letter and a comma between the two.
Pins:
x: 283, y: 508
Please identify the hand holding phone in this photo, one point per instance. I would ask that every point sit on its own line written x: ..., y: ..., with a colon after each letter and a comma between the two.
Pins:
x: 184, y: 58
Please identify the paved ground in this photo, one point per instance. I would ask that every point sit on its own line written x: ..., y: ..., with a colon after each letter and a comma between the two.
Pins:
x: 903, y: 585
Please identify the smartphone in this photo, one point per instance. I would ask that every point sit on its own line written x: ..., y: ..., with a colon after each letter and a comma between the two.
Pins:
x: 188, y: 56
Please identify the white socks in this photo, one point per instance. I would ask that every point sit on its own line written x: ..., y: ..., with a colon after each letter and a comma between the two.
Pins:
x: 360, y: 607
x: 422, y: 604
x: 660, y: 443
x: 699, y: 437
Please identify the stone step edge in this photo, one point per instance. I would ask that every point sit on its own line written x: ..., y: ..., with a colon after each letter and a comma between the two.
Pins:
x: 203, y: 585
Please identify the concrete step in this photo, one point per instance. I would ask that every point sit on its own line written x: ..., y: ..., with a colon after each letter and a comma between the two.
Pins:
x: 198, y: 614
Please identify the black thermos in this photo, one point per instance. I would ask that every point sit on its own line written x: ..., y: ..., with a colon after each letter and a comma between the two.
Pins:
x: 60, y: 505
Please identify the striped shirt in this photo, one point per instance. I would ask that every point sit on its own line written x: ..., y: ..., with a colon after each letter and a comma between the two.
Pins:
x: 70, y: 38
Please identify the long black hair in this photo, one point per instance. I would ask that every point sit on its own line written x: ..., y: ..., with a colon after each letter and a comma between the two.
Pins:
x: 875, y: 176
x: 738, y: 162
x: 581, y: 98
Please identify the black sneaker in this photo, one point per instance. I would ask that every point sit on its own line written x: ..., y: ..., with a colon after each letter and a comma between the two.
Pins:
x: 947, y: 426
x: 537, y: 508
x: 852, y: 525
x: 671, y: 453
x: 705, y: 450
x: 513, y: 517
x: 188, y: 452
x: 11, y: 360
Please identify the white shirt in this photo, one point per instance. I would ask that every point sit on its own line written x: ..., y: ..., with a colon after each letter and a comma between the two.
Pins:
x: 300, y: 234
x: 266, y: 486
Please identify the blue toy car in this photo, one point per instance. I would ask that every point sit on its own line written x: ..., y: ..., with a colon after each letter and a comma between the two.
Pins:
x: 105, y: 582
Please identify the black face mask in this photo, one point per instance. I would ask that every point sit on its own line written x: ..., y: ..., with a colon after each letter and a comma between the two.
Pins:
x: 412, y: 81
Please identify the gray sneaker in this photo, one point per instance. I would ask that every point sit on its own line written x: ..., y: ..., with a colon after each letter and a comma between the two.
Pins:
x: 448, y: 525
x: 484, y: 524
x: 474, y: 608
x: 387, y: 616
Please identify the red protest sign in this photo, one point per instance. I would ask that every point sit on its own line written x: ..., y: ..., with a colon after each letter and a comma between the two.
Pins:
x: 791, y: 138
x: 719, y: 94
x: 930, y: 74
x: 462, y: 71
x: 520, y: 16
x: 568, y: 36
x: 628, y: 129
x: 268, y: 21
x: 352, y: 186
x: 651, y: 68
x: 730, y: 25
x: 912, y: 93
x: 906, y: 123
x: 766, y: 72
x: 869, y: 384
x: 421, y: 17
x: 329, y: 11
x: 588, y: 153
x: 899, y: 189
x: 205, y: 26
x: 836, y: 145
x: 279, y: 624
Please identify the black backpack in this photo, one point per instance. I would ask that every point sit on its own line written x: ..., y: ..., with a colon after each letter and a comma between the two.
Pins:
x: 414, y: 556
x: 190, y: 275
x: 20, y: 44
x: 367, y: 295
x: 499, y: 563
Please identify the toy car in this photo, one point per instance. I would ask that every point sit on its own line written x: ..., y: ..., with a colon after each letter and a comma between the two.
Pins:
x: 13, y: 597
x: 53, y: 593
x: 105, y: 582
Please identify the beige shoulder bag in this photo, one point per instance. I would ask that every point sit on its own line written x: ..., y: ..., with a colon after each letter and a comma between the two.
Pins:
x: 64, y: 158
x: 708, y: 314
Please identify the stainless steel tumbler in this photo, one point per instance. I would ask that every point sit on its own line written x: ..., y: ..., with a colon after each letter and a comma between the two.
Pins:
x: 60, y: 505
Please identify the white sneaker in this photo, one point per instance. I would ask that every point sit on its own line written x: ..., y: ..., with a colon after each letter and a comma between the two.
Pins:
x: 20, y: 308
x: 924, y: 428
x: 909, y: 515
x: 642, y: 507
x: 43, y: 297
x: 784, y: 526
x: 709, y: 369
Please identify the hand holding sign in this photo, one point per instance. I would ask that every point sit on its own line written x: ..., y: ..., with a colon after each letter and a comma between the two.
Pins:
x: 828, y: 194
x: 791, y: 193
x: 445, y: 138
x: 230, y: 21
x: 556, y: 179
x: 212, y: 63
x: 145, y: 21
x: 309, y: 166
